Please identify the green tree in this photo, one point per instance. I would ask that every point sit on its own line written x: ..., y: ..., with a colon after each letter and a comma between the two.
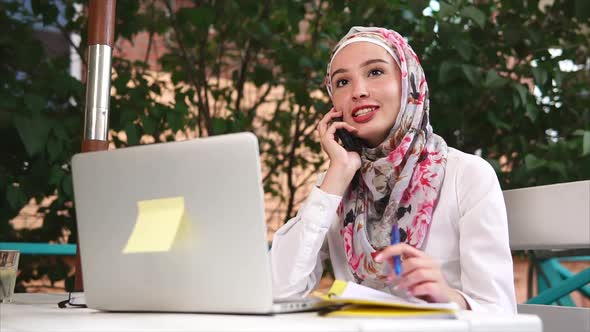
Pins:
x: 259, y: 66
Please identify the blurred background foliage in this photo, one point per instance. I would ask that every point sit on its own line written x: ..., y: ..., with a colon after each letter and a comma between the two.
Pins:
x: 509, y: 81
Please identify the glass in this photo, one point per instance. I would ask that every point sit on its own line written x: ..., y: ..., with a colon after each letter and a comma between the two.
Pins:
x: 8, y: 271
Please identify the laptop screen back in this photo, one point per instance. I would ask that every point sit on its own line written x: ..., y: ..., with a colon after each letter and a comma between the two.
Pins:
x: 217, y: 259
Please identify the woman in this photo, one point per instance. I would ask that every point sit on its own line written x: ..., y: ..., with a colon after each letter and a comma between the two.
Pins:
x: 447, y: 205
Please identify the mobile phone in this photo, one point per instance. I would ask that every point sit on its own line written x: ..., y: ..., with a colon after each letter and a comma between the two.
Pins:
x: 349, y: 141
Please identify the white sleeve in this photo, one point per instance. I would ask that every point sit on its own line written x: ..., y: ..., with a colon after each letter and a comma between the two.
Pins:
x: 299, y: 247
x: 486, y: 261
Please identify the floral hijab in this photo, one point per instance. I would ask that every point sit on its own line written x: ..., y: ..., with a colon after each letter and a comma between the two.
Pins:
x: 400, y: 179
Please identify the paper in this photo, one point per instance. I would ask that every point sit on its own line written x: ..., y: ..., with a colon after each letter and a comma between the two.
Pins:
x: 159, y: 224
x: 356, y: 291
x: 351, y: 293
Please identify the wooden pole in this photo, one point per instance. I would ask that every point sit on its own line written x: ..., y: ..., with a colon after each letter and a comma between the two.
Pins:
x: 101, y: 38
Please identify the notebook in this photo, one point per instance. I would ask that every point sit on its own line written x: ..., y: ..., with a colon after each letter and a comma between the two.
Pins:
x: 177, y: 227
x: 353, y: 300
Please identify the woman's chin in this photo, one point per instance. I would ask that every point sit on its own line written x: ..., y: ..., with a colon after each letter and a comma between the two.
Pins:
x: 372, y: 139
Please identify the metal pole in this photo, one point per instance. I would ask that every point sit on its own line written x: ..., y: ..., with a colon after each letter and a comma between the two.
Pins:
x: 101, y: 37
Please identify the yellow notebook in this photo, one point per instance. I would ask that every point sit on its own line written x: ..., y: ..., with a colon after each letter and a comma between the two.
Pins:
x: 351, y: 299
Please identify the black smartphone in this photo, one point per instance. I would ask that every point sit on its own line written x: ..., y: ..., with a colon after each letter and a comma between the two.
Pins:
x: 349, y: 141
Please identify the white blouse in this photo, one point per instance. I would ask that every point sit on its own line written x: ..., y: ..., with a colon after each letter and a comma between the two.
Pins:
x: 468, y: 237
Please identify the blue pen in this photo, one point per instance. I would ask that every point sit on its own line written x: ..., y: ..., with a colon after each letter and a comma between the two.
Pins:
x: 397, y: 264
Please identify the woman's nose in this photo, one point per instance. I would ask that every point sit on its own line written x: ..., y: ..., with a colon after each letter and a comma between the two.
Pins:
x: 359, y: 90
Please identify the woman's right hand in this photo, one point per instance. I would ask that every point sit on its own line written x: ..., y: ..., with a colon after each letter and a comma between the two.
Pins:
x: 343, y: 164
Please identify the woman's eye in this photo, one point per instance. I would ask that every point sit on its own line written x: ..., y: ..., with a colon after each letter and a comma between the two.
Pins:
x: 340, y: 83
x: 375, y: 72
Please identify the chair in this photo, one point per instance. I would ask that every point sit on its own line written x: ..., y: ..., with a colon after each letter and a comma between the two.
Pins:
x: 553, y: 223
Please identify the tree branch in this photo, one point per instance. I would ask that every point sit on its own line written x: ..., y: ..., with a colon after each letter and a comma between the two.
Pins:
x: 202, y: 76
x: 66, y: 35
x: 202, y: 110
x: 262, y: 100
x: 278, y: 160
x: 242, y: 77
x: 151, y: 36
x: 291, y: 162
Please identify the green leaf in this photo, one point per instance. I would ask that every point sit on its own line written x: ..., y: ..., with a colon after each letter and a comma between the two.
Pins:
x: 446, y: 9
x: 444, y: 71
x: 464, y: 50
x: 515, y: 100
x: 522, y: 92
x: 132, y: 134
x: 32, y: 131
x: 180, y: 106
x: 305, y: 63
x: 302, y: 95
x: 582, y: 9
x: 493, y: 119
x: 531, y: 162
x: 495, y: 164
x: 540, y: 75
x: 149, y: 125
x: 16, y: 197
x: 264, y: 30
x: 513, y: 33
x: 174, y: 119
x: 493, y: 80
x: 471, y: 74
x: 67, y: 187
x: 262, y: 75
x: 475, y: 15
x: 418, y: 6
x: 157, y: 110
x: 201, y: 16
x: 219, y: 126
x: 54, y: 149
x: 559, y: 167
x: 50, y: 14
x: 56, y: 175
x: 34, y: 103
x: 7, y: 102
x: 532, y: 111
x: 408, y: 15
x: 36, y: 7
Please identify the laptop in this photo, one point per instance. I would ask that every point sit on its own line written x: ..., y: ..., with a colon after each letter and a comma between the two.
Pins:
x: 222, y: 263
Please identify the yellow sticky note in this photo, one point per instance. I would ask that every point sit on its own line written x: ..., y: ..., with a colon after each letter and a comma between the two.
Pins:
x: 158, y: 224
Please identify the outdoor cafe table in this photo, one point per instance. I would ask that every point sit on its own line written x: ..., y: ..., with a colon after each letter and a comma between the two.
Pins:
x: 39, y: 312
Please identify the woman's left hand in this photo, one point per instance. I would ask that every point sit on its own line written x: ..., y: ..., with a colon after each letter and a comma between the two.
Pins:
x: 421, y: 275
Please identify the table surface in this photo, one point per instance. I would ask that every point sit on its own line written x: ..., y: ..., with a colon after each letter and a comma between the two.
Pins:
x: 39, y: 312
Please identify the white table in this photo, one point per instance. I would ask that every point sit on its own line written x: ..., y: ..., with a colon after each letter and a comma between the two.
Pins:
x: 39, y: 312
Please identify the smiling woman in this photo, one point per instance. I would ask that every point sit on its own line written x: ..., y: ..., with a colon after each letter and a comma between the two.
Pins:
x: 443, y: 206
x: 367, y: 90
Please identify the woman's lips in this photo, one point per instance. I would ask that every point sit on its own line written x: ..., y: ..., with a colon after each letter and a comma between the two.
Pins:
x: 365, y: 117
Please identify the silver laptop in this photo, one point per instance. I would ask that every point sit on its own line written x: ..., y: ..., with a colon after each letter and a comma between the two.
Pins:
x: 218, y: 264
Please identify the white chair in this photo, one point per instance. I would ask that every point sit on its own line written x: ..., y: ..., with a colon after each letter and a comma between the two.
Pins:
x: 557, y: 218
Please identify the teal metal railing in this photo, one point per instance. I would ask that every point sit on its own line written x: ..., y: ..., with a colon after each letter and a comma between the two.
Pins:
x: 555, y: 282
x: 29, y: 248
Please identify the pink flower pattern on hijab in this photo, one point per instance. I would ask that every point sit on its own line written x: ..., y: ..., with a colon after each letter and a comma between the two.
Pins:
x: 400, y: 179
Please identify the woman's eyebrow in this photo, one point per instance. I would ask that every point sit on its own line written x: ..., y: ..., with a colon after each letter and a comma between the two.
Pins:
x: 372, y: 61
x: 364, y: 64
